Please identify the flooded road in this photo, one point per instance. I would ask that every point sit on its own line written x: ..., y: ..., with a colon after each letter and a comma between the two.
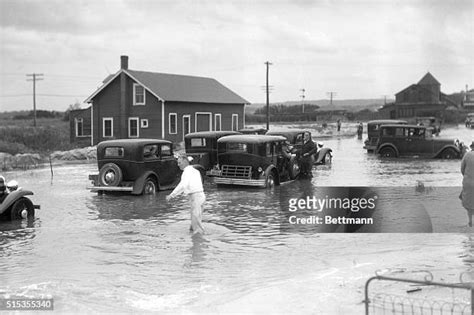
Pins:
x: 114, y: 253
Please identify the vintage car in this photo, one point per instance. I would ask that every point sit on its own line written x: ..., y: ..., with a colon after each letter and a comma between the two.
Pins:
x: 137, y: 166
x: 253, y: 131
x: 470, y: 120
x: 254, y: 160
x: 295, y: 138
x: 432, y: 123
x: 14, y: 205
x: 413, y: 140
x: 202, y: 147
x: 373, y: 127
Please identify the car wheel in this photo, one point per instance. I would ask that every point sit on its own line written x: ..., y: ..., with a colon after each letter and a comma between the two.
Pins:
x: 150, y: 187
x: 22, y: 209
x: 293, y: 168
x: 449, y: 154
x: 110, y: 175
x: 387, y: 152
x: 327, y: 158
x: 269, y: 181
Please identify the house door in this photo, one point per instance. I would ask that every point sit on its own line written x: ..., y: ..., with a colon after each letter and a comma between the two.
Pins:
x: 203, y: 121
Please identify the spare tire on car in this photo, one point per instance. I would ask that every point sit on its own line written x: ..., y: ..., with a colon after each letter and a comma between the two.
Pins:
x: 110, y: 175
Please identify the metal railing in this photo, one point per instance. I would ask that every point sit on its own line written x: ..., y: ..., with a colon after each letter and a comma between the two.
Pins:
x: 388, y: 303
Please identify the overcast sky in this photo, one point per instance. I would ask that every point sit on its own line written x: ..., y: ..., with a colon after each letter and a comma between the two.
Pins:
x: 358, y: 49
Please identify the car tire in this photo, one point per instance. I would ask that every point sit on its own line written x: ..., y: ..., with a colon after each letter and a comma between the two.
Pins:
x: 327, y: 158
x: 22, y: 209
x: 150, y: 187
x: 293, y: 168
x: 110, y: 175
x: 388, y: 152
x: 270, y: 180
x: 449, y: 154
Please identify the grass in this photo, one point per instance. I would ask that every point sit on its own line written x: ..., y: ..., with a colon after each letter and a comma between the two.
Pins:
x: 20, y: 136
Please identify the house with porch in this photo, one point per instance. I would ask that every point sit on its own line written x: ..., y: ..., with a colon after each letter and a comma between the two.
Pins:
x: 142, y: 104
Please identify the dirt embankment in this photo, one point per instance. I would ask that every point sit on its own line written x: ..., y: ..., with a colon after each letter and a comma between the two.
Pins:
x: 33, y: 160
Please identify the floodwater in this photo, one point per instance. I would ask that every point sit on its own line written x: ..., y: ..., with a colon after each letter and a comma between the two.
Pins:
x: 114, y: 253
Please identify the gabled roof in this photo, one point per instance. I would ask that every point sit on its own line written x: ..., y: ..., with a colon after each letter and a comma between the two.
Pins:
x: 182, y: 88
x: 428, y: 79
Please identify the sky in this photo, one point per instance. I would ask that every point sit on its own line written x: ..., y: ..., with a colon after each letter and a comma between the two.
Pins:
x: 357, y: 49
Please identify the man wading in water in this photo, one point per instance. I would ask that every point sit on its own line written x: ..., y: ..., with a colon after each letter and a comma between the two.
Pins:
x: 191, y: 185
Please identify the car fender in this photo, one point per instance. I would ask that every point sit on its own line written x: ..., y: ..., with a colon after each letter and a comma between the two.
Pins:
x: 139, y: 183
x: 321, y: 154
x: 448, y: 146
x: 269, y: 169
x: 385, y: 145
x: 12, y: 197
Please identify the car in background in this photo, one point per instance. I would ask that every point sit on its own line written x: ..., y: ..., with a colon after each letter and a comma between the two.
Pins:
x: 416, y: 141
x: 254, y: 160
x: 470, y: 120
x: 432, y: 123
x: 253, y: 131
x: 136, y: 166
x: 202, y: 147
x: 295, y: 137
x: 373, y: 127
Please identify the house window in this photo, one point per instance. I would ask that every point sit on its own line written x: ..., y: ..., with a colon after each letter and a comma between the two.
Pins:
x: 217, y: 122
x: 144, y: 123
x: 133, y: 127
x: 235, y: 122
x: 79, y: 127
x: 138, y: 94
x: 108, y: 127
x: 173, y: 117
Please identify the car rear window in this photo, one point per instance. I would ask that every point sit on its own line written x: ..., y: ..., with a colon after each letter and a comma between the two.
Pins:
x: 198, y: 142
x: 113, y: 152
x: 166, y: 150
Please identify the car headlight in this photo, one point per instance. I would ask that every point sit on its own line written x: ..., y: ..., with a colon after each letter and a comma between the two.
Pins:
x: 260, y: 169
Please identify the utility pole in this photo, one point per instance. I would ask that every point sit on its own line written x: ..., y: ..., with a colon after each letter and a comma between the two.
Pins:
x: 385, y: 99
x: 268, y: 97
x: 302, y: 100
x: 331, y: 94
x: 35, y: 77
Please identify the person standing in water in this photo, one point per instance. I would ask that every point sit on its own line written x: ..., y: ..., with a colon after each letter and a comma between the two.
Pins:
x: 191, y: 186
x: 467, y: 171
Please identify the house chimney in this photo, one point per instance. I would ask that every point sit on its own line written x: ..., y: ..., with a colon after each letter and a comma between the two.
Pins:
x: 124, y: 62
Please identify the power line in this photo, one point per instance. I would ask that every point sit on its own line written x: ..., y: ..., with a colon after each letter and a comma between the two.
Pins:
x: 268, y: 96
x: 35, y: 77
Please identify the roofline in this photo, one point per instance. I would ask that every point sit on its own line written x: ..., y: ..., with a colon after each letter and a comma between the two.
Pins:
x: 89, y: 99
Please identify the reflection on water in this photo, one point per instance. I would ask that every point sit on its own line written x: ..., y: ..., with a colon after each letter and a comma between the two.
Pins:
x: 135, y: 253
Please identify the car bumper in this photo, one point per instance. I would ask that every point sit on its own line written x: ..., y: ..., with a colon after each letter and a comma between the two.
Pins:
x: 240, y: 181
x: 106, y: 188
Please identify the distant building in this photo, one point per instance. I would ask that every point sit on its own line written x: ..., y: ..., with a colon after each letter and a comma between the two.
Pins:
x: 141, y: 104
x: 422, y: 99
x: 80, y: 128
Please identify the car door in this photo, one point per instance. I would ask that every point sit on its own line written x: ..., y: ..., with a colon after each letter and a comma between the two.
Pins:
x: 417, y: 144
x: 167, y: 166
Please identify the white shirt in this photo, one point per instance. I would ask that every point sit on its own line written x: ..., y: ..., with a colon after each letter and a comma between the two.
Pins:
x: 190, y: 182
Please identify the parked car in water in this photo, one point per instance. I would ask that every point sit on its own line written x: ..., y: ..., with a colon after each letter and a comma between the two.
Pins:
x: 137, y: 166
x: 470, y: 120
x: 373, y: 128
x: 14, y: 203
x: 202, y: 147
x: 432, y: 123
x: 412, y: 140
x: 254, y: 160
x: 295, y: 137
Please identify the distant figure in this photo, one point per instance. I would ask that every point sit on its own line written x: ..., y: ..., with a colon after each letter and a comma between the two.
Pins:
x: 360, y: 130
x: 307, y: 151
x: 191, y: 185
x: 338, y: 125
x: 467, y: 194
